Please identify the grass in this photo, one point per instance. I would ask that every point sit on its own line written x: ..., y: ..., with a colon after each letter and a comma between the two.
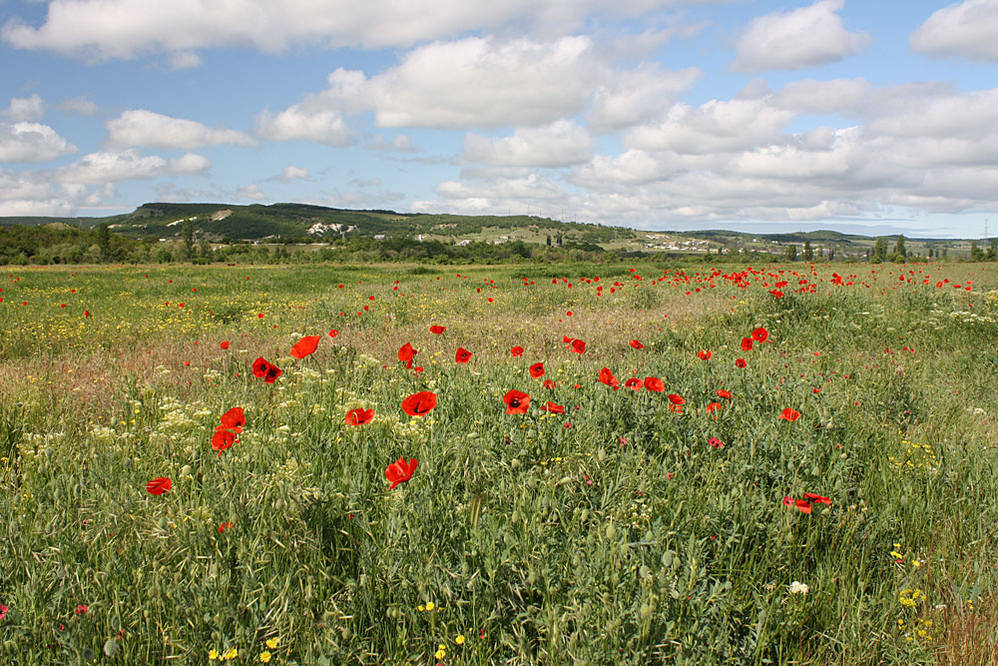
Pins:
x: 612, y: 533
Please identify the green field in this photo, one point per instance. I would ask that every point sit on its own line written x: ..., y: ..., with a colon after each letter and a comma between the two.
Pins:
x: 632, y: 528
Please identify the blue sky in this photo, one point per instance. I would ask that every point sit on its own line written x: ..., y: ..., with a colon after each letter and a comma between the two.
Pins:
x: 868, y: 117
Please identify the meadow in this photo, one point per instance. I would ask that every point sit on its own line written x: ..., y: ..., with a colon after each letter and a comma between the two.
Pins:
x: 788, y: 464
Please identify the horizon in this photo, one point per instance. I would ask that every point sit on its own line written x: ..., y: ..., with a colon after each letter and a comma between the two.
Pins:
x: 664, y: 115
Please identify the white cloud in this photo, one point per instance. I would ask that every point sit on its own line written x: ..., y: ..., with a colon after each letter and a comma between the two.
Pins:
x: 635, y: 96
x: 562, y: 143
x: 184, y: 60
x: 189, y: 163
x: 401, y: 143
x: 305, y: 124
x: 289, y: 173
x: 139, y: 127
x: 820, y: 97
x: 31, y: 142
x: 101, y: 29
x: 251, y: 191
x: 716, y: 126
x: 24, y: 108
x: 105, y: 167
x: 968, y: 29
x: 805, y: 37
x: 80, y: 105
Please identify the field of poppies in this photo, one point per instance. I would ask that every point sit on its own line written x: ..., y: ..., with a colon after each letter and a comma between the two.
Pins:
x: 575, y: 464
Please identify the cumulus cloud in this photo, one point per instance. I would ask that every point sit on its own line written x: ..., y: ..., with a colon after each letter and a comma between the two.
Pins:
x: 31, y: 142
x: 252, y: 192
x: 289, y: 173
x: 184, y: 60
x: 139, y: 127
x: 81, y: 105
x: 189, y: 163
x: 968, y: 29
x: 562, y: 143
x: 631, y: 97
x: 24, y: 108
x: 303, y: 123
x: 113, y: 166
x: 805, y: 37
x: 101, y: 29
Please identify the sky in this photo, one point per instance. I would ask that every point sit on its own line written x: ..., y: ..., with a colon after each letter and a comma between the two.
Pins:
x: 863, y: 117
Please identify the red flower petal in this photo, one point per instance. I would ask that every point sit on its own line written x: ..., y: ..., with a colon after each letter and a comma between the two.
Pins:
x: 537, y: 370
x: 159, y: 485
x: 400, y: 471
x: 305, y: 346
x: 356, y: 417
x: 517, y: 402
x: 420, y: 403
x: 789, y: 414
x: 437, y: 330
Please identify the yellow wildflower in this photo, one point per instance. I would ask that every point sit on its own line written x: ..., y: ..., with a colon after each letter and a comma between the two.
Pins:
x: 430, y: 605
x: 265, y: 656
x: 273, y: 642
x: 213, y: 655
x: 460, y: 639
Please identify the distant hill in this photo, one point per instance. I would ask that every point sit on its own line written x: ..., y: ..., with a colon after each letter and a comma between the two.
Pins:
x: 305, y: 223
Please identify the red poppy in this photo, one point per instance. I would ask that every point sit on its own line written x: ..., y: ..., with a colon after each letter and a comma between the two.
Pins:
x: 537, y: 370
x: 636, y: 344
x: 437, y: 330
x: 550, y: 383
x: 305, y: 346
x: 721, y: 393
x: 712, y: 407
x: 333, y: 333
x: 716, y: 443
x: 704, y: 354
x: 234, y: 419
x: 400, y: 471
x: 818, y: 499
x: 553, y: 408
x: 406, y: 352
x: 273, y: 372
x: 356, y: 417
x: 516, y: 351
x: 578, y: 346
x: 420, y: 403
x: 801, y: 505
x: 260, y: 366
x: 462, y: 356
x: 634, y: 383
x: 224, y: 344
x: 760, y: 334
x: 747, y: 344
x: 222, y: 439
x: 676, y: 400
x: 517, y: 402
x: 606, y: 377
x: 159, y: 485
x: 789, y: 414
x: 654, y: 384
x: 740, y: 363
x: 566, y: 339
x: 225, y: 526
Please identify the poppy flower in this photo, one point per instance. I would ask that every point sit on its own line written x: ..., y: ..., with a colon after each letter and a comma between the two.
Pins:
x: 553, y: 408
x: 462, y: 356
x: 159, y: 485
x: 400, y: 471
x: 516, y: 351
x: 636, y: 344
x: 740, y: 363
x: 260, y: 367
x: 437, y: 330
x: 704, y: 354
x: 517, y: 402
x: 801, y: 505
x: 356, y: 417
x: 333, y: 333
x: 406, y: 352
x: 747, y: 344
x: 676, y: 402
x: 654, y: 384
x: 273, y: 372
x: 420, y: 403
x: 712, y: 407
x: 305, y: 346
x: 234, y: 419
x: 578, y: 346
x: 634, y: 384
x: 550, y: 383
x: 224, y: 344
x: 606, y: 377
x: 537, y: 370
x: 760, y: 334
x: 224, y: 526
x: 721, y: 393
x: 818, y: 499
x: 715, y: 443
x: 222, y: 439
x: 789, y: 414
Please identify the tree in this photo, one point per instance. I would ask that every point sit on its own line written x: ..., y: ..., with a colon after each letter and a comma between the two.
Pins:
x: 808, y: 251
x: 187, y: 229
x: 992, y: 254
x: 791, y: 252
x: 104, y: 241
x: 899, y: 254
x: 976, y: 253
x: 879, y: 250
x: 549, y: 240
x: 831, y: 253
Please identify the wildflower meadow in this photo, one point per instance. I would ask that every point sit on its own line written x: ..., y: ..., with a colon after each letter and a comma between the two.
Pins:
x: 560, y: 464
